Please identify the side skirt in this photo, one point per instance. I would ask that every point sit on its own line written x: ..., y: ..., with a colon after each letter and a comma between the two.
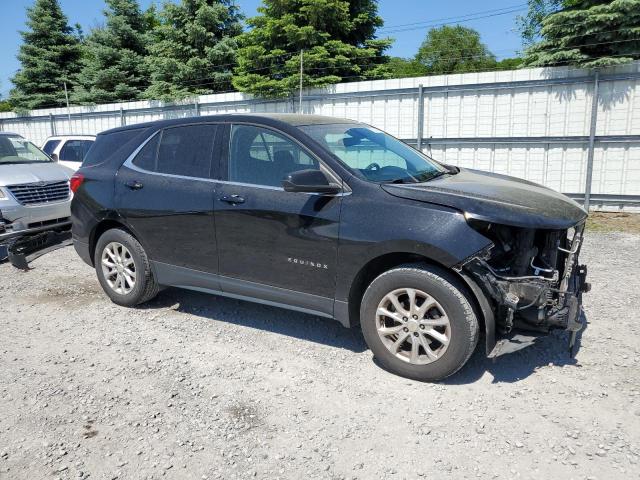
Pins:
x: 182, y: 277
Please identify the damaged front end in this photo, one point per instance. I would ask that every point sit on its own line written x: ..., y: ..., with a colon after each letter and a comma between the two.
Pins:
x: 532, y: 279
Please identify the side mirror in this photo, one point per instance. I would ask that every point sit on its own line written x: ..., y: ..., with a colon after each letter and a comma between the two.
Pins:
x: 310, y: 181
x: 54, y: 157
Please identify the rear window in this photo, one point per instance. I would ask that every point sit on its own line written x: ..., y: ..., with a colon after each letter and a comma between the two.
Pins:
x: 108, y: 145
x: 50, y: 146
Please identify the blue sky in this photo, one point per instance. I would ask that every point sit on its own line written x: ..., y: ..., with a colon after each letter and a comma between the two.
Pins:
x: 405, y: 20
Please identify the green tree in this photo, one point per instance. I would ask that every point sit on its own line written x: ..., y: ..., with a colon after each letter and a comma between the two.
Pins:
x: 193, y: 47
x: 113, y: 59
x: 509, y: 64
x: 49, y: 56
x: 337, y: 37
x: 406, y: 67
x: 5, y: 106
x: 454, y: 49
x: 531, y: 23
x: 588, y: 34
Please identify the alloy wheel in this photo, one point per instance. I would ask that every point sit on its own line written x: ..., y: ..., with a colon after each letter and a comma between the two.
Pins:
x: 413, y: 326
x: 118, y: 268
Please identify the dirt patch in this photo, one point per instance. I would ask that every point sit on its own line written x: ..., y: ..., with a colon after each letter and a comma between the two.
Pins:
x: 614, y: 222
x: 65, y: 290
x: 244, y: 416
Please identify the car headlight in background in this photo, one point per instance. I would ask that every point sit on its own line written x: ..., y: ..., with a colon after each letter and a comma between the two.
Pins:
x: 3, y: 196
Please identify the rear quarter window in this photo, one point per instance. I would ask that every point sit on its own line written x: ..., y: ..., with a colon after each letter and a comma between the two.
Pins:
x: 110, y: 145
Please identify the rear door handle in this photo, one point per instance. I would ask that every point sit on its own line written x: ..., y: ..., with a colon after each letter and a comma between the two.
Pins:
x: 233, y: 199
x: 134, y: 185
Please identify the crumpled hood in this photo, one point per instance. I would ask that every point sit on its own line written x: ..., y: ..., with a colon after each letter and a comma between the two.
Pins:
x: 496, y: 198
x: 16, y: 174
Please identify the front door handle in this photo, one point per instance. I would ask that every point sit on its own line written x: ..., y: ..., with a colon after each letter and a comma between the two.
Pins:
x: 233, y: 199
x: 134, y: 185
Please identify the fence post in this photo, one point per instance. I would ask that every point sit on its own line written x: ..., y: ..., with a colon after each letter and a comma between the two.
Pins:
x: 196, y: 107
x: 52, y: 124
x: 122, y: 118
x: 592, y: 135
x: 420, y: 134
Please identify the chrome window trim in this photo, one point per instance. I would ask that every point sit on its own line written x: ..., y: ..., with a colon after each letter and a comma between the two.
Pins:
x: 280, y: 189
x: 346, y: 190
x: 129, y: 161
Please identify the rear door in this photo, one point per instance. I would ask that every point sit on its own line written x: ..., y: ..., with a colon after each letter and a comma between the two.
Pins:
x: 165, y: 192
x: 276, y: 245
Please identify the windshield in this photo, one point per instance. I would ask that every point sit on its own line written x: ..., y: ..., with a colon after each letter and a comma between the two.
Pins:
x: 15, y: 149
x: 374, y: 155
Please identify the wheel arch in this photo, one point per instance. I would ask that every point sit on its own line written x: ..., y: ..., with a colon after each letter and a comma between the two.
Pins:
x: 382, y: 263
x: 100, y: 228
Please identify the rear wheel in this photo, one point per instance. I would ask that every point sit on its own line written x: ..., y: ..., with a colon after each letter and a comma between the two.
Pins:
x: 123, y: 269
x: 418, y: 322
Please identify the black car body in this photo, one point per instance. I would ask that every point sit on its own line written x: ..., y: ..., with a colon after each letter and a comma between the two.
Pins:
x: 312, y: 233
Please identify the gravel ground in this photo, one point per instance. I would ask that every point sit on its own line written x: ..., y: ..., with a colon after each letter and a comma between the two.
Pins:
x: 195, y: 386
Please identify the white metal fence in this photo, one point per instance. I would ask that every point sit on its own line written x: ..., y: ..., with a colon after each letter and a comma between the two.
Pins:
x: 538, y: 124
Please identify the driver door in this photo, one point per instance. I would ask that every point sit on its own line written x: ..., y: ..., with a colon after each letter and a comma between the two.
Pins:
x: 281, y: 246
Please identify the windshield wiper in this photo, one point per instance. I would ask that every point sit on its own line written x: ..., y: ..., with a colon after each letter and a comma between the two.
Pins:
x: 400, y: 180
x: 433, y: 175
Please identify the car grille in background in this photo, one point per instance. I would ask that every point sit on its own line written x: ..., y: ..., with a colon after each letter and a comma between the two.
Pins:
x: 37, y: 193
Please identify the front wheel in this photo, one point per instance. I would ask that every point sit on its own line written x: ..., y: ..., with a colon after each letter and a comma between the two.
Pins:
x: 123, y: 269
x: 418, y: 322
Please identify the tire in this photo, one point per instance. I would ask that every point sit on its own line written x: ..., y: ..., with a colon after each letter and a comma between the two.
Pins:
x: 449, y: 327
x: 144, y: 286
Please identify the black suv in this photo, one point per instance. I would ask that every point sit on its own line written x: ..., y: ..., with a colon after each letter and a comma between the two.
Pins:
x: 334, y: 218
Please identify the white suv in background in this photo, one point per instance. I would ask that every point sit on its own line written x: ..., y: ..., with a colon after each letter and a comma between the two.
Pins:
x: 69, y: 150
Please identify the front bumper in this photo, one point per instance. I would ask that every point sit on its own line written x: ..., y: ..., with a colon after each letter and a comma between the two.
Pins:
x: 535, y: 303
x: 23, y: 245
x: 23, y: 219
x: 29, y: 231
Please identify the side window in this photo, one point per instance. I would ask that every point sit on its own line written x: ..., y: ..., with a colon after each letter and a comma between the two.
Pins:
x: 186, y: 150
x: 72, y: 151
x: 260, y: 156
x: 182, y: 151
x: 146, y: 157
x: 50, y: 146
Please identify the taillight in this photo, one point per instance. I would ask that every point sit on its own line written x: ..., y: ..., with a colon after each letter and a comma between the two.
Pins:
x: 75, y: 181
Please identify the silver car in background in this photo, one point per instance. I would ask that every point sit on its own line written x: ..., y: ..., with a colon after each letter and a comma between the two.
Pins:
x: 35, y: 197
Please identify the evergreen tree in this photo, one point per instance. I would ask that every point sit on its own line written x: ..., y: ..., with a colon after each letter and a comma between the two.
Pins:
x: 337, y: 37
x: 531, y: 23
x: 49, y: 56
x: 454, y: 49
x: 588, y: 34
x: 193, y: 48
x: 113, y: 60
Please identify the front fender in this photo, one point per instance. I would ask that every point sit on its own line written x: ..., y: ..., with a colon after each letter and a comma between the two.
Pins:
x: 438, y: 234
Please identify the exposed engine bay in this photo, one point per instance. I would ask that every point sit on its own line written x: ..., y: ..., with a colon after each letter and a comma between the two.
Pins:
x: 532, y: 277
